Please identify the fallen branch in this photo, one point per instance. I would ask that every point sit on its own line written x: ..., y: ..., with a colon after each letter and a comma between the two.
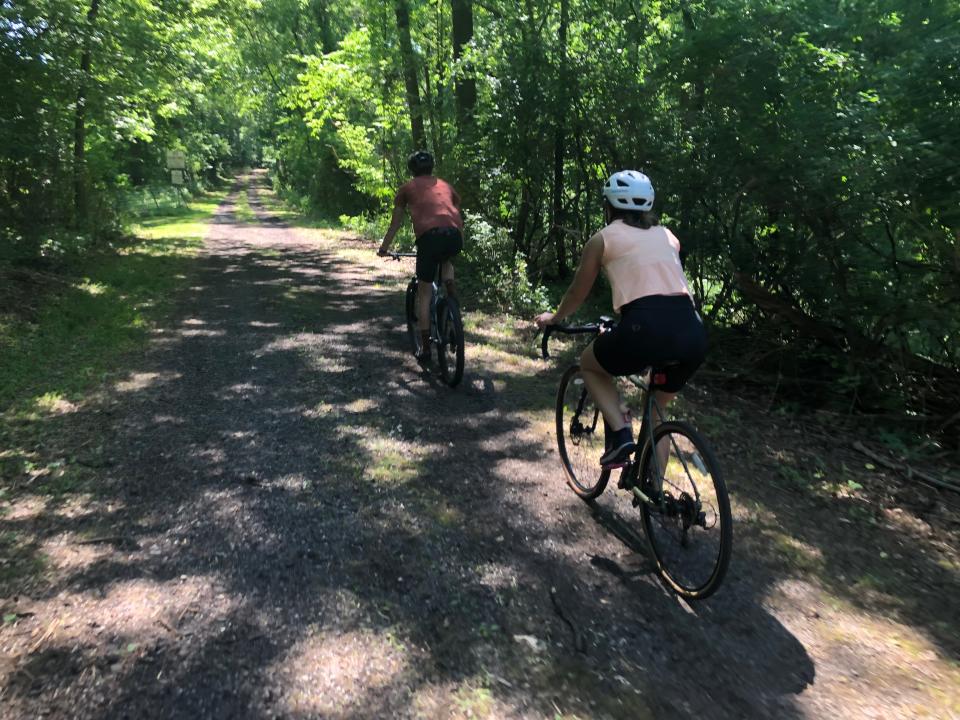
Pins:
x: 908, y: 472
x: 112, y: 539
x: 50, y: 630
x: 579, y: 642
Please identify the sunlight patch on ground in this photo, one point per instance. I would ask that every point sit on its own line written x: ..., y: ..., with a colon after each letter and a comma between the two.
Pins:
x: 861, y: 654
x: 355, y: 254
x: 308, y: 344
x: 92, y: 288
x: 136, y: 382
x: 192, y: 231
x: 66, y: 554
x: 243, y: 389
x: 201, y: 333
x: 54, y: 404
x: 26, y: 507
x: 390, y: 460
x: 322, y: 409
x: 361, y: 405
x: 138, y: 610
x: 294, y: 483
x: 469, y: 698
x: 796, y: 553
x: 504, y: 362
x: 342, y: 674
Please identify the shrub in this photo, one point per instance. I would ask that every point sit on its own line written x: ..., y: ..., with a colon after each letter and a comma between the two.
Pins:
x: 498, y: 270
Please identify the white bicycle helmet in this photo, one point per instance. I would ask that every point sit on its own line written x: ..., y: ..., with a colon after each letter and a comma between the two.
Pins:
x: 629, y: 190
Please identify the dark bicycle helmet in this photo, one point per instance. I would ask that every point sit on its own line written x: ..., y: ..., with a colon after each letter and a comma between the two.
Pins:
x: 420, y: 163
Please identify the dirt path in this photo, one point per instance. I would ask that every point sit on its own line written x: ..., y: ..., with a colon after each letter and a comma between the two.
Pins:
x: 294, y: 520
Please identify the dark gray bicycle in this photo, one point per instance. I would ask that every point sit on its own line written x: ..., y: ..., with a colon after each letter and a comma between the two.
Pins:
x: 673, y: 476
x: 446, y: 326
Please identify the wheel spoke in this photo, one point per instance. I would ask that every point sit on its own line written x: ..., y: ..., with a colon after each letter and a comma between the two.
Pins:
x: 580, y: 437
x: 691, y: 553
x: 450, y: 343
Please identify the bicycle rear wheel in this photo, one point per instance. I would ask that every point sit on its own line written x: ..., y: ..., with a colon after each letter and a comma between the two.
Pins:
x: 580, y: 437
x: 413, y: 331
x: 691, y: 534
x: 450, y: 351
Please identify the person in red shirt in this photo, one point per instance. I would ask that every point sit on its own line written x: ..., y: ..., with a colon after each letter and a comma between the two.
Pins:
x: 434, y: 208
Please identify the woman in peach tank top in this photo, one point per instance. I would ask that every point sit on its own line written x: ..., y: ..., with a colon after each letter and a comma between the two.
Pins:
x: 659, y: 326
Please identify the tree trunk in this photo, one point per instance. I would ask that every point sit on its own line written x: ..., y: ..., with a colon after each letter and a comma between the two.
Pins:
x: 559, y: 147
x: 321, y: 13
x: 80, y: 123
x: 465, y: 86
x: 402, y: 10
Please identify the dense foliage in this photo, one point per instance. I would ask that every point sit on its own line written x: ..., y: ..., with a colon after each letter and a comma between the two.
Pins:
x: 805, y: 151
x: 94, y: 94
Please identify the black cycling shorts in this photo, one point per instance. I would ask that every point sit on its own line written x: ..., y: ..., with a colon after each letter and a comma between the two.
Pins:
x: 659, y: 331
x: 435, y: 247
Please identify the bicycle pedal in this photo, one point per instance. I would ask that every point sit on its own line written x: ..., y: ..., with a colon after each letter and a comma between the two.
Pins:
x: 615, y: 466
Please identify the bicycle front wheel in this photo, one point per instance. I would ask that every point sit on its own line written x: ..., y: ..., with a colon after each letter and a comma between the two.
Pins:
x: 450, y: 352
x: 413, y: 331
x: 690, y: 533
x: 580, y: 437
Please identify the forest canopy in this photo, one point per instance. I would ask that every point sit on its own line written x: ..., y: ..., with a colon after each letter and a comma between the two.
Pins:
x: 805, y: 152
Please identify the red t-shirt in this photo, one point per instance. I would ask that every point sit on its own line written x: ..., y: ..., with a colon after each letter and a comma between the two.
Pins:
x: 431, y: 202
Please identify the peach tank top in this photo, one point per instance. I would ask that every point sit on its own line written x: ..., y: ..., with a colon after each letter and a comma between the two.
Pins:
x: 640, y: 262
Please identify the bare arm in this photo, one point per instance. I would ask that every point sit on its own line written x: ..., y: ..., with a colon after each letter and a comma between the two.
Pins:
x: 395, y: 222
x: 581, y: 285
x: 399, y: 206
x: 456, y: 204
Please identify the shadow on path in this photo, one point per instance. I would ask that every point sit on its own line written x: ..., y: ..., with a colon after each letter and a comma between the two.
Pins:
x: 300, y: 523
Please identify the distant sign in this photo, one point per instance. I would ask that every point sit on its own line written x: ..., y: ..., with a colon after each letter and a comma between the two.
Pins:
x: 176, y: 177
x: 176, y: 160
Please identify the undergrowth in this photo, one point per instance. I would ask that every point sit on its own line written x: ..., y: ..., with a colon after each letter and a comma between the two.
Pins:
x: 94, y: 310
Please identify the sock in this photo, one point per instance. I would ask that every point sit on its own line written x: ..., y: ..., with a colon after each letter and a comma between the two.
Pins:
x: 622, y: 436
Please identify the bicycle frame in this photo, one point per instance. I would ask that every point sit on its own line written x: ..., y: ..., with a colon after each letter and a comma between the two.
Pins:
x: 434, y: 296
x: 647, y: 428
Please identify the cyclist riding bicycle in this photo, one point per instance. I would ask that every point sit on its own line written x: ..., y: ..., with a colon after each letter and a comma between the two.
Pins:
x: 659, y: 326
x: 434, y: 208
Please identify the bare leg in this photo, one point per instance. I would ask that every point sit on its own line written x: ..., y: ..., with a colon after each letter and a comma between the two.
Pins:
x: 446, y: 271
x: 602, y: 389
x: 663, y: 447
x: 424, y: 295
x: 446, y: 275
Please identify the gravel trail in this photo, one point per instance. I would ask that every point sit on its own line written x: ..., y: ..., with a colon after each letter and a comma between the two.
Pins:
x: 297, y: 521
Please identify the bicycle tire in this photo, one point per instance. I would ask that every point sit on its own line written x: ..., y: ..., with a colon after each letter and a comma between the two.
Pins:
x: 658, y: 526
x: 413, y: 331
x: 580, y: 464
x: 450, y: 345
